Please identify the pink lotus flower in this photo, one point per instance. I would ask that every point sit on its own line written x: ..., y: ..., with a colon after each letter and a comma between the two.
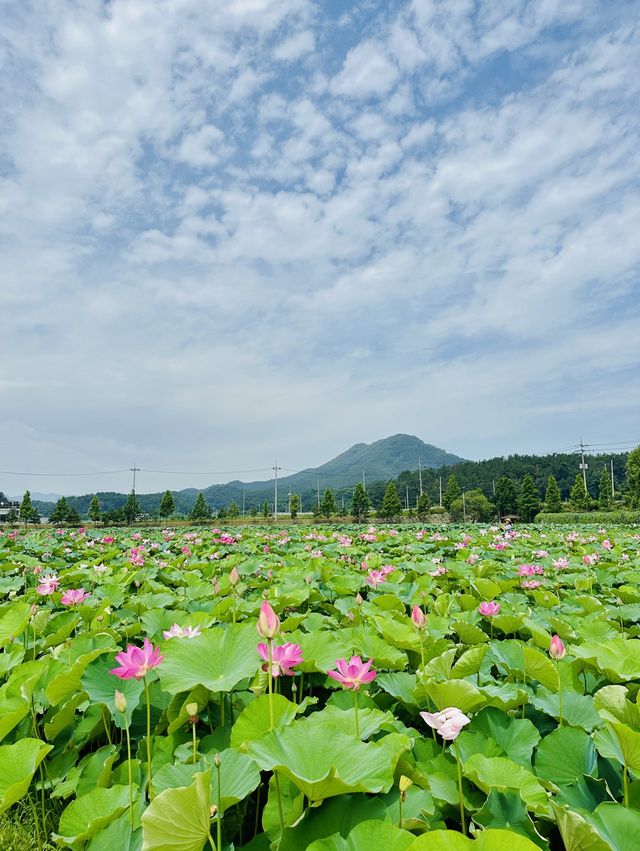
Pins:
x: 557, y: 650
x: 448, y: 722
x: 354, y: 673
x: 418, y: 617
x: 530, y: 570
x: 439, y: 571
x: 473, y: 558
x: 234, y: 577
x: 268, y: 621
x: 530, y: 584
x: 560, y: 562
x: 73, y: 597
x: 607, y: 545
x: 375, y: 578
x: 590, y: 559
x: 283, y: 658
x: 176, y: 631
x: 489, y: 609
x: 136, y: 662
x: 48, y: 585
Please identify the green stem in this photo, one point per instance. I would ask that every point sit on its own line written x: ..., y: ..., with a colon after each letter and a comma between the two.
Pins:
x: 625, y: 785
x: 421, y: 651
x: 36, y: 821
x: 462, y: 821
x: 193, y: 735
x: 559, y: 692
x: 42, y: 807
x: 212, y: 843
x: 257, y: 819
x: 106, y: 723
x: 233, y: 614
x: 279, y: 800
x: 355, y: 703
x: 150, y: 782
x: 270, y: 663
x: 130, y: 777
x: 400, y: 810
x: 222, y: 709
x: 218, y: 814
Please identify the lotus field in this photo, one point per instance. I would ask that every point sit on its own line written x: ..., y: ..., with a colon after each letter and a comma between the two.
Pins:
x: 321, y: 688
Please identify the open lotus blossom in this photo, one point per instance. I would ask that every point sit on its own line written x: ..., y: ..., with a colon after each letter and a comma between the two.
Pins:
x: 283, y: 658
x: 560, y: 562
x: 354, y: 673
x: 557, y: 650
x: 177, y: 631
x: 375, y: 578
x: 48, y: 584
x: 268, y: 625
x: 489, y: 609
x: 136, y: 662
x: 530, y: 584
x: 447, y: 723
x: 607, y: 545
x: 73, y: 596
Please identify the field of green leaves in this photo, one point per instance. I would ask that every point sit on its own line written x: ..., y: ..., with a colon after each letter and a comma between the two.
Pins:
x: 330, y: 689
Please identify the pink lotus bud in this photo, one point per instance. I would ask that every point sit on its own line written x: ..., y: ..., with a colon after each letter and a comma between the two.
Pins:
x: 121, y: 701
x: 268, y: 621
x: 557, y: 649
x: 234, y: 577
x: 418, y: 617
x: 359, y: 599
x: 489, y: 609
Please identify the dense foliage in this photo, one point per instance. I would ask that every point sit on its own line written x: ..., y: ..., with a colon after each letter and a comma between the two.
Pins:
x: 493, y: 688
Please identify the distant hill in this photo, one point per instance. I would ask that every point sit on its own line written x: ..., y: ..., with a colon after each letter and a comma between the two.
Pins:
x: 379, y: 461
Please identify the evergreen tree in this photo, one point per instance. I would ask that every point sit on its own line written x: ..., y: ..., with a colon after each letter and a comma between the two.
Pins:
x: 506, y: 496
x: 552, y: 498
x: 528, y: 499
x: 201, y: 510
x: 475, y: 507
x: 295, y: 505
x: 167, y: 505
x: 578, y: 496
x: 12, y: 517
x: 73, y: 517
x: 95, y: 512
x: 633, y: 477
x: 360, y: 505
x: 233, y: 511
x: 451, y: 492
x: 605, y: 489
x: 328, y: 504
x: 391, y: 505
x: 131, y: 508
x: 60, y: 511
x: 28, y: 513
x: 424, y: 504
x: 222, y: 513
x: 253, y: 511
x: 266, y: 509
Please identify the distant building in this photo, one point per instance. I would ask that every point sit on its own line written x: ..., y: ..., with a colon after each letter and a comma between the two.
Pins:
x: 6, y: 506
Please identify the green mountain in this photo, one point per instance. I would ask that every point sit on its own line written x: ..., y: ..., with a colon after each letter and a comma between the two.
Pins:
x: 379, y: 461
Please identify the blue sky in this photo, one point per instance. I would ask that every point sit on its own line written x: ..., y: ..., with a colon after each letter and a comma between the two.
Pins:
x: 269, y: 229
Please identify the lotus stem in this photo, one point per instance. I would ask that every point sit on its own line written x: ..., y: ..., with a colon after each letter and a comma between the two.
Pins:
x: 233, y: 611
x: 625, y: 784
x: 219, y: 814
x: 270, y: 663
x: 559, y: 692
x: 355, y: 703
x: 279, y: 800
x: 130, y: 775
x: 148, y: 699
x: 193, y: 738
x: 459, y: 765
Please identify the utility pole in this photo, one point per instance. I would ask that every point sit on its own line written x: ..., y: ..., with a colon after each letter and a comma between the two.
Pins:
x: 440, y: 491
x: 134, y: 470
x: 464, y: 508
x: 420, y: 473
x: 243, y: 500
x: 275, y: 493
x: 318, y: 493
x: 289, y: 497
x: 407, y: 495
x: 493, y: 482
x: 364, y: 484
x: 613, y: 485
x: 584, y: 467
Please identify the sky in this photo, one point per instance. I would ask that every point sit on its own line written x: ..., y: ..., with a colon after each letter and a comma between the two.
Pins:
x: 264, y: 230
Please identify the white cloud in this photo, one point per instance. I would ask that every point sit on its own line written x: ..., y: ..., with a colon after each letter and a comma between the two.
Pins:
x: 294, y: 47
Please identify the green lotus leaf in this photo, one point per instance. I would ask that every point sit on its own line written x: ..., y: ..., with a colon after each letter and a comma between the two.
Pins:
x: 339, y: 814
x: 507, y: 623
x: 619, y: 826
x: 178, y: 819
x: 369, y: 645
x: 321, y: 648
x: 254, y: 721
x: 507, y: 810
x: 612, y: 704
x: 566, y: 755
x: 469, y: 663
x: 504, y: 774
x: 117, y: 836
x: 487, y: 840
x: 577, y: 834
x: 19, y: 763
x: 539, y: 667
x: 348, y: 765
x: 460, y: 693
x: 86, y: 816
x: 68, y: 682
x: 618, y: 658
x: 401, y: 685
x: 239, y: 775
x: 218, y: 659
x: 367, y: 834
x: 439, y: 667
x: 470, y: 633
x: 13, y: 622
x: 618, y: 741
x: 101, y: 687
x: 504, y: 696
x: 577, y: 709
x: 517, y: 737
x: 403, y: 635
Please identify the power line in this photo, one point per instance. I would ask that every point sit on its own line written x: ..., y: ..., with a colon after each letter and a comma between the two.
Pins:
x: 204, y: 472
x: 99, y: 473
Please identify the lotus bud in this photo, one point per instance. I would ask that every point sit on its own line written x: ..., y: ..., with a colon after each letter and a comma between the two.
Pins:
x: 418, y: 617
x: 217, y: 761
x: 268, y: 621
x: 359, y: 599
x: 192, y: 708
x: 216, y: 585
x: 234, y: 577
x: 557, y: 649
x: 120, y: 701
x: 404, y: 785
